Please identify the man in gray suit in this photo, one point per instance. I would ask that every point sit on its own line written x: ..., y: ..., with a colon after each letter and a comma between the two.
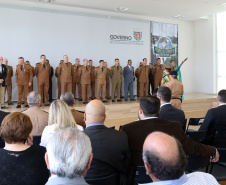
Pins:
x: 128, y: 74
x: 68, y: 157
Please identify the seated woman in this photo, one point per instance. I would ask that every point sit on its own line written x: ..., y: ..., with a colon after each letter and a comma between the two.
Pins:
x: 60, y: 116
x: 21, y: 162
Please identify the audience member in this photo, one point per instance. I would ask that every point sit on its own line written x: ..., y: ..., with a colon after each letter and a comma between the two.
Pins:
x: 3, y: 115
x: 39, y: 118
x: 215, y: 118
x: 167, y: 110
x: 148, y: 122
x: 68, y: 98
x: 165, y: 161
x: 68, y: 157
x: 21, y: 162
x: 110, y: 147
x: 60, y: 117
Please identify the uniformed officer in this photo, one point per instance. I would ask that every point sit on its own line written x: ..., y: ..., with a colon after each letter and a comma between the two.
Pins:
x: 23, y: 79
x: 137, y: 76
x: 100, y: 75
x: 172, y: 65
x: 115, y: 74
x: 33, y: 72
x: 165, y: 79
x: 92, y: 86
x: 121, y: 85
x: 177, y: 90
x: 157, y: 73
x: 85, y: 74
x: 58, y: 81
x: 76, y: 79
x: 64, y: 72
x: 107, y: 81
x: 42, y: 71
x: 8, y: 81
x: 143, y: 72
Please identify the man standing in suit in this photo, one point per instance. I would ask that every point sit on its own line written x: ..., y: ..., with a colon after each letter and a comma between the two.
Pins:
x: 92, y: 85
x: 107, y: 81
x: 76, y: 79
x: 148, y: 122
x: 215, y: 118
x: 167, y: 110
x: 3, y: 75
x: 8, y: 81
x: 151, y: 80
x: 115, y: 74
x: 64, y: 72
x: 50, y: 82
x: 42, y: 71
x: 112, y: 156
x: 128, y: 74
x: 68, y: 157
x: 157, y: 73
x: 23, y: 79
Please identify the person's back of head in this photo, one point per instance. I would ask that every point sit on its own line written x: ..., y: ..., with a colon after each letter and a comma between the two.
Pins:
x: 149, y: 107
x: 34, y: 99
x: 69, y: 153
x: 95, y: 112
x: 222, y: 96
x: 68, y: 98
x: 164, y: 94
x: 164, y: 157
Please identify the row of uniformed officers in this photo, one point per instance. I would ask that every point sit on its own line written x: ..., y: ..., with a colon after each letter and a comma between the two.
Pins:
x: 84, y: 77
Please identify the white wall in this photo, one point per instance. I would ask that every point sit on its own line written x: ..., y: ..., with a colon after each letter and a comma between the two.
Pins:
x: 30, y: 33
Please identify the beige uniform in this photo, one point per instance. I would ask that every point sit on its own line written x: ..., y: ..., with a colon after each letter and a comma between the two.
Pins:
x: 64, y: 72
x: 177, y: 90
x: 85, y: 74
x: 8, y: 83
x: 58, y: 83
x: 92, y: 86
x: 76, y: 81
x: 23, y: 77
x: 100, y: 75
x: 115, y: 74
x: 143, y: 72
x: 157, y: 72
x: 108, y: 83
x: 42, y: 71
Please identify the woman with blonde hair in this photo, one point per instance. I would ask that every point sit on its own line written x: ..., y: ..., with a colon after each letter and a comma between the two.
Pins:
x: 60, y: 116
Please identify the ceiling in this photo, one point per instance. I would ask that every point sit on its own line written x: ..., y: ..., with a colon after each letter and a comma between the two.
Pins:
x: 192, y: 10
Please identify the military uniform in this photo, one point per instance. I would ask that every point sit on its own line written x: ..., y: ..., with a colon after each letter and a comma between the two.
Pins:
x: 33, y: 72
x: 157, y: 73
x: 108, y: 83
x: 58, y: 83
x: 92, y: 82
x: 143, y: 72
x: 100, y: 75
x: 115, y: 74
x: 76, y: 80
x: 23, y: 77
x: 85, y: 74
x: 64, y: 72
x: 8, y: 83
x: 42, y: 72
x: 177, y: 91
x: 138, y: 84
x: 165, y: 79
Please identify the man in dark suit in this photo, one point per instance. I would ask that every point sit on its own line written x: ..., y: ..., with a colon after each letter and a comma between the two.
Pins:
x: 167, y: 110
x: 128, y: 74
x: 50, y: 83
x: 3, y: 75
x: 110, y: 147
x: 148, y: 122
x: 215, y: 118
x: 3, y: 115
x: 151, y: 80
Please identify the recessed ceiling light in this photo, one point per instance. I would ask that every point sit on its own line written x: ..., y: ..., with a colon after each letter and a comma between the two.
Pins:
x: 178, y: 16
x: 46, y: 1
x: 121, y: 9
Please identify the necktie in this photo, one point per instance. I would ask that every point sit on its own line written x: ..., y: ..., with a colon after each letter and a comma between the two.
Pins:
x: 21, y: 67
x: 44, y: 65
x: 86, y: 68
x: 67, y: 64
x: 117, y: 67
x: 77, y: 67
x: 102, y: 69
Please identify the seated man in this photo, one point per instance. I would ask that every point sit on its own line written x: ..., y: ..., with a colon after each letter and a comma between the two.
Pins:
x: 215, y: 118
x: 68, y: 157
x: 165, y: 161
x: 149, y: 122
x: 68, y: 98
x: 167, y: 110
x: 110, y: 147
x: 39, y: 118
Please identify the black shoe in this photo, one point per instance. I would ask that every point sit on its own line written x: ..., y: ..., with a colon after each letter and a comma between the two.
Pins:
x: 10, y: 103
x: 109, y: 98
x: 121, y: 96
x: 26, y: 106
x: 4, y: 107
x: 113, y: 100
x: 119, y: 100
x: 126, y: 99
x: 22, y: 102
x: 84, y: 102
x: 79, y: 99
x: 46, y: 104
x: 18, y: 106
x: 105, y: 101
x: 132, y: 99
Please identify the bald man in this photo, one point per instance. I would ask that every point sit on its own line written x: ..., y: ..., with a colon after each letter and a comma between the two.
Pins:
x: 112, y: 156
x: 171, y: 159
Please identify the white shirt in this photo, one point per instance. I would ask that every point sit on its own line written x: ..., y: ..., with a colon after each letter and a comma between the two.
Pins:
x: 164, y: 104
x: 48, y: 132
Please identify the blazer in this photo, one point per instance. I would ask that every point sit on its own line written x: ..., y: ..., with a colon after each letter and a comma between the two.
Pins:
x: 110, y: 152
x: 3, y: 75
x: 128, y: 74
x: 150, y: 76
x: 215, y: 119
x: 55, y: 180
x: 138, y: 131
x: 172, y: 114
